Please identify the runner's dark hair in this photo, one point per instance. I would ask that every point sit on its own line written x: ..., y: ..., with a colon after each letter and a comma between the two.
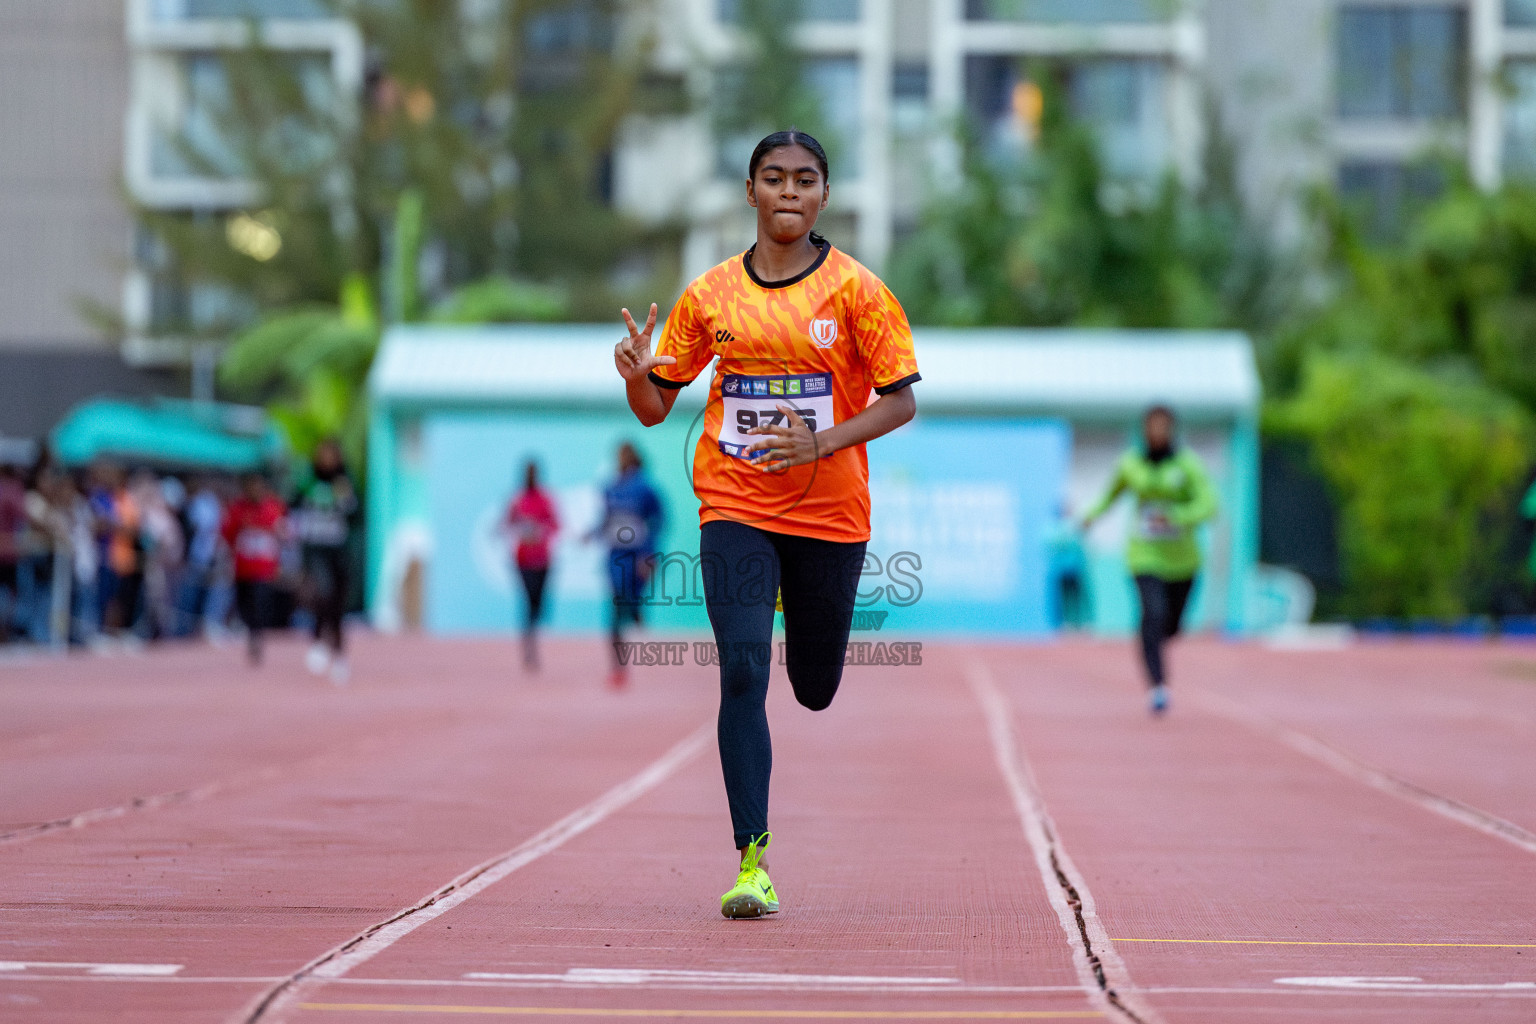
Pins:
x: 1166, y: 411
x: 791, y: 137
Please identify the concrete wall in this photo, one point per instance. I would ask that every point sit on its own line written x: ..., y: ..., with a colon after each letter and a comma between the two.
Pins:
x: 64, y: 232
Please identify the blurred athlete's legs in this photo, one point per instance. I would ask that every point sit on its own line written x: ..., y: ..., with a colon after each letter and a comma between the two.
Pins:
x: 533, y: 589
x: 1162, y: 615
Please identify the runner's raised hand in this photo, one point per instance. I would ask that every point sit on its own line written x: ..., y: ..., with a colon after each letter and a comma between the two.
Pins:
x: 632, y: 356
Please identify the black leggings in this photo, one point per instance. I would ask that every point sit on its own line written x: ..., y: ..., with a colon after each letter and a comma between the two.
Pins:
x: 743, y: 569
x: 1162, y: 616
x: 329, y: 582
x: 253, y: 600
x: 533, y: 587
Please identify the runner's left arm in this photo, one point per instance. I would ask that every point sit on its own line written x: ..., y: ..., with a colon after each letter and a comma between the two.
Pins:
x: 883, y: 339
x: 1201, y: 503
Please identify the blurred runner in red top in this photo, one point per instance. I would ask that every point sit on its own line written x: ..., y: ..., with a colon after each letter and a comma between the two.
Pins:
x: 254, y: 526
x: 532, y: 520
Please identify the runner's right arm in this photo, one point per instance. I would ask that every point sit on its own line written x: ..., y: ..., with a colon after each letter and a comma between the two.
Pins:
x: 1115, y: 489
x: 634, y: 360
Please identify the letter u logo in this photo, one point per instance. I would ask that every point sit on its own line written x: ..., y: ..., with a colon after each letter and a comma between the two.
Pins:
x: 824, y: 332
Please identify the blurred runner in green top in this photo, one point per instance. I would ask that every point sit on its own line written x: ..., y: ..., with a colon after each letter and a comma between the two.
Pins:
x: 1173, y: 497
x: 322, y: 518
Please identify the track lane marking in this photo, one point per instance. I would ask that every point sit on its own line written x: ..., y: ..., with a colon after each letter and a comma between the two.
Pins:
x: 1408, y: 983
x: 338, y: 961
x: 1362, y: 771
x: 1414, y: 992
x: 1102, y: 973
x: 1326, y: 942
x: 642, y: 977
x: 110, y: 969
x: 566, y: 1011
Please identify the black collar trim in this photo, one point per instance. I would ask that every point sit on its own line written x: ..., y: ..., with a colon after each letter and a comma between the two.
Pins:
x: 746, y: 262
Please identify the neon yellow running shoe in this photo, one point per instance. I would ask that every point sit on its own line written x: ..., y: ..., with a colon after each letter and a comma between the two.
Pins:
x: 753, y: 894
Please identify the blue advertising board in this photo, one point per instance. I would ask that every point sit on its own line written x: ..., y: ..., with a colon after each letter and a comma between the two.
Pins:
x: 963, y: 512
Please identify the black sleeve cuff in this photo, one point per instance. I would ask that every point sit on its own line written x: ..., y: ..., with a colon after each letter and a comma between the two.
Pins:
x: 662, y: 382
x: 897, y: 385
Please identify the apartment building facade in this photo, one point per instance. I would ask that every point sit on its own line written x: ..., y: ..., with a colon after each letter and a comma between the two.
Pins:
x: 1357, y: 92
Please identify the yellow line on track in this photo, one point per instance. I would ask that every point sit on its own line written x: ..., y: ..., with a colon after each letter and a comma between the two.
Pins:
x: 567, y: 1011
x: 1304, y: 942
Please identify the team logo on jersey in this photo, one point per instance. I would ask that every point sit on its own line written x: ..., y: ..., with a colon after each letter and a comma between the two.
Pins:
x: 730, y: 385
x: 824, y: 332
x: 724, y: 337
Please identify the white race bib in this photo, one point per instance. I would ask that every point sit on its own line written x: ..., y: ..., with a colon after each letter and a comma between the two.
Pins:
x: 754, y: 401
x: 1152, y: 522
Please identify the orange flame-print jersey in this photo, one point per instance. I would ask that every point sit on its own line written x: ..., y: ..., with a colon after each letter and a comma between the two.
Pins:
x: 819, y: 343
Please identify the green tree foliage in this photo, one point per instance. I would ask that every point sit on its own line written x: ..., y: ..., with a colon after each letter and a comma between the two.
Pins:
x: 500, y: 116
x: 312, y: 359
x: 1427, y: 469
x: 1415, y: 383
x: 1457, y: 288
x: 1051, y: 239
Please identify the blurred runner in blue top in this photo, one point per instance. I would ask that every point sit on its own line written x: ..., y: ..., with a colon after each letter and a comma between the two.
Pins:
x: 632, y: 519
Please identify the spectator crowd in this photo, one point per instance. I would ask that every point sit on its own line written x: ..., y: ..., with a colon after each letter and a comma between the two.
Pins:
x: 110, y: 555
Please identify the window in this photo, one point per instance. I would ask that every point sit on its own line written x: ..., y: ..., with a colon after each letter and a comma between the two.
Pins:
x: 1122, y: 99
x: 1520, y: 119
x: 194, y: 145
x: 1070, y: 11
x: 572, y: 28
x: 1382, y: 194
x: 192, y: 140
x: 178, y: 305
x: 1402, y: 62
x: 556, y: 43
x: 184, y: 10
x: 1520, y: 13
x: 732, y: 11
x: 909, y: 98
x: 835, y: 81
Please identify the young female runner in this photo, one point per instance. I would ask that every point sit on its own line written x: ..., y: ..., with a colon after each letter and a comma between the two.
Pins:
x: 802, y: 334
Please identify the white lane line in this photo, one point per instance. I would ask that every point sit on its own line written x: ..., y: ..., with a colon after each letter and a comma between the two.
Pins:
x: 118, y: 970
x: 594, y: 977
x: 337, y: 962
x: 1347, y: 764
x: 1409, y: 984
x: 1497, y: 991
x: 1093, y: 954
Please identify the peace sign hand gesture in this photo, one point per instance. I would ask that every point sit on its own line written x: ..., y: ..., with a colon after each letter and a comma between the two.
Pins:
x: 633, y: 355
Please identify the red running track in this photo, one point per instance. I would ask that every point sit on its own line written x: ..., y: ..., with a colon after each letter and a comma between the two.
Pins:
x: 1309, y: 836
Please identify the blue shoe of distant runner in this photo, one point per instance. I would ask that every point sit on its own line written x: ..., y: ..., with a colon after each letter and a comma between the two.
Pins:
x: 1157, y: 699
